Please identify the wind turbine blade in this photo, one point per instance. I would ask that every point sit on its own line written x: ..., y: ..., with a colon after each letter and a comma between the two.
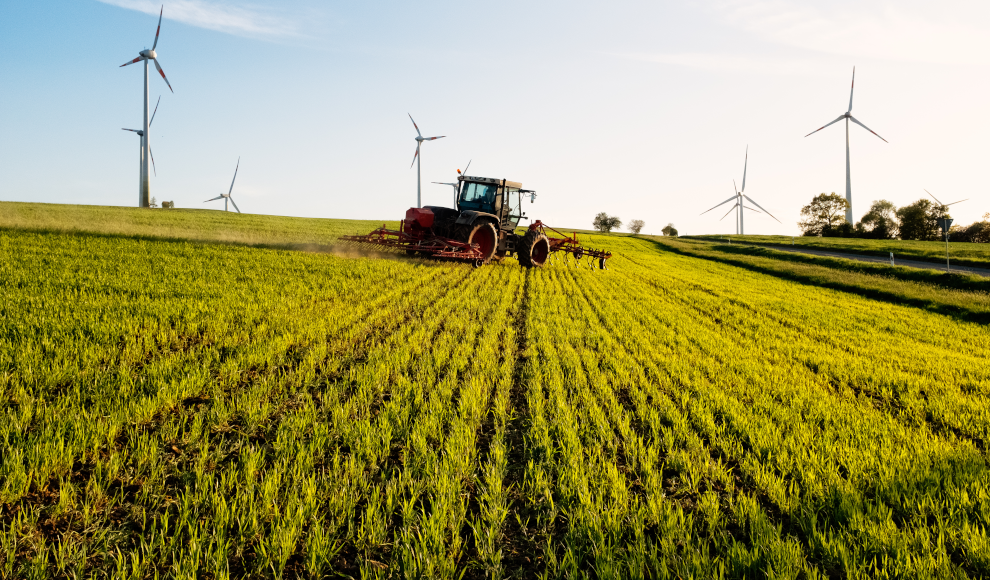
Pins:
x: 135, y: 130
x: 734, y: 188
x: 723, y: 203
x: 156, y: 111
x: 745, y: 165
x: 153, y: 161
x: 751, y: 209
x: 955, y: 202
x: 466, y: 167
x: 415, y: 155
x: 161, y: 72
x: 935, y: 198
x: 415, y: 125
x: 159, y: 29
x: 841, y: 117
x: 761, y: 207
x: 853, y: 119
x: 235, y: 204
x: 214, y: 199
x: 235, y: 177
x: 138, y: 59
x: 730, y: 211
x: 851, y: 87
x: 434, y: 138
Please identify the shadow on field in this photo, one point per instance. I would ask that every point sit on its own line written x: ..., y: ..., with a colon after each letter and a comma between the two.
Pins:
x: 935, y: 279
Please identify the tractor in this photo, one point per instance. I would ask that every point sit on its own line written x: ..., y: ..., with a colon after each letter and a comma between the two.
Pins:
x: 483, y: 227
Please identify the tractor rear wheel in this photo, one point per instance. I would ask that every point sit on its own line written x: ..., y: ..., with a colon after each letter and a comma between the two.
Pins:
x: 534, y: 249
x: 484, y: 235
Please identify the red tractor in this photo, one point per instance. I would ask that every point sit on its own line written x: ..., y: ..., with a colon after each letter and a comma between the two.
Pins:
x: 482, y: 228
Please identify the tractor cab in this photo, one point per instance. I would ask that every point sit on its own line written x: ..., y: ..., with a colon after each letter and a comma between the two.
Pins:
x: 500, y: 198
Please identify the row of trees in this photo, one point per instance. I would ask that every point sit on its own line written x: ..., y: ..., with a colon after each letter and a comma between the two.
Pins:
x: 825, y: 216
x: 606, y: 223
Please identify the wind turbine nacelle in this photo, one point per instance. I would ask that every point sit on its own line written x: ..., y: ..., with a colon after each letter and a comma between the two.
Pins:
x: 148, y: 54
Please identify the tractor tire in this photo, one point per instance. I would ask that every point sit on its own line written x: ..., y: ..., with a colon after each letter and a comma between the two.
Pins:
x: 483, y: 234
x: 534, y: 249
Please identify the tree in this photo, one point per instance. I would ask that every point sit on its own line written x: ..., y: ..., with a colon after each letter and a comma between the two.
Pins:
x: 606, y: 223
x: 824, y: 215
x: 976, y: 232
x: 880, y: 223
x: 918, y: 221
x: 154, y: 202
x: 669, y: 230
x: 636, y: 226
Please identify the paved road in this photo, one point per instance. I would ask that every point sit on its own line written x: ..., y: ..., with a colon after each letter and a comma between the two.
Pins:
x: 897, y: 261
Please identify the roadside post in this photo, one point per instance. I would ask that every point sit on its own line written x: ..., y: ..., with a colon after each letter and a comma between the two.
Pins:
x: 892, y: 258
x: 945, y: 223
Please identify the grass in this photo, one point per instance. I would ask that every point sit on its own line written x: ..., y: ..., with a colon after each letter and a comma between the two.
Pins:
x: 181, y: 408
x: 962, y: 253
x: 200, y: 225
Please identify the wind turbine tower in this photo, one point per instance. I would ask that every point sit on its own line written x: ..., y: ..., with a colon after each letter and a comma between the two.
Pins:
x: 416, y: 158
x: 848, y: 117
x: 140, y: 134
x: 144, y: 192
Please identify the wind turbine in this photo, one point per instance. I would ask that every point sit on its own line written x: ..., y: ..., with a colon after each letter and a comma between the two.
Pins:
x: 141, y: 135
x: 456, y: 186
x: 416, y: 158
x: 944, y: 206
x: 144, y: 193
x: 228, y: 196
x: 848, y: 117
x: 739, y: 198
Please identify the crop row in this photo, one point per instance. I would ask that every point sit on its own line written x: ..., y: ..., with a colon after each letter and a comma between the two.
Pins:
x: 188, y: 410
x: 796, y: 429
x: 218, y: 421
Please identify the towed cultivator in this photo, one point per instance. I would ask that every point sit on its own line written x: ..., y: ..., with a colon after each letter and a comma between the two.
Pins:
x: 543, y: 248
x: 481, y: 229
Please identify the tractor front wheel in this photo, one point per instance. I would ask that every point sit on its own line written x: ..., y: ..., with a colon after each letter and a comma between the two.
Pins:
x: 484, y: 235
x: 534, y: 249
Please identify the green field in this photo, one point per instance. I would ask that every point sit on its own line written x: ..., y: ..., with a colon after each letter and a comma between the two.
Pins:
x: 195, y: 394
x: 962, y: 253
x: 199, y: 225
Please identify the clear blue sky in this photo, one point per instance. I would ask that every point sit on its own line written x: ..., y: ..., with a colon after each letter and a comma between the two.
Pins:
x: 640, y: 109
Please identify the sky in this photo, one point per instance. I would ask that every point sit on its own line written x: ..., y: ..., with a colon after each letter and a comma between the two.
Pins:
x: 641, y: 109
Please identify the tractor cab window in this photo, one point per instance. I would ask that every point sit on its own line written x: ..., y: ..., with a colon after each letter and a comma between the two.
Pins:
x: 478, y: 196
x: 513, y: 207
